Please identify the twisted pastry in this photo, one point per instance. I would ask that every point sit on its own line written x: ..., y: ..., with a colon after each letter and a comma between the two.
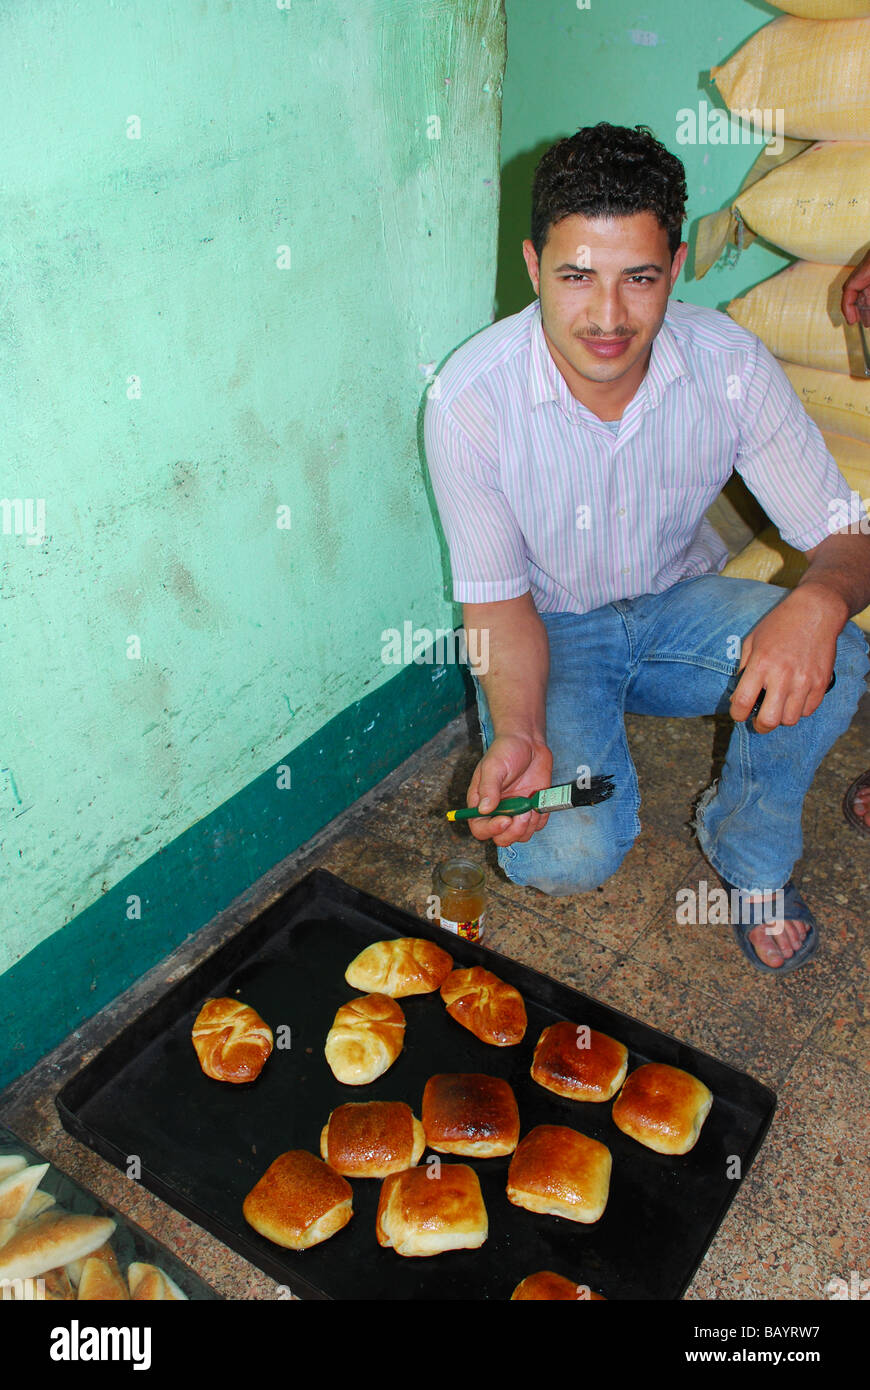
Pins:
x: 232, y: 1042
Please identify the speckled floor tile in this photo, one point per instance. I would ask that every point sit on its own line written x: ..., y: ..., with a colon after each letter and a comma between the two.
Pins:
x: 756, y: 1259
x: 392, y: 872
x: 811, y: 1175
x: 649, y: 875
x: 674, y: 763
x: 616, y: 913
x: 565, y: 955
x: 694, y: 1016
x: 708, y: 956
x: 843, y: 1031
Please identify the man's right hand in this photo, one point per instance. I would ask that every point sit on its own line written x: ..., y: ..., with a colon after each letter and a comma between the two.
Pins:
x: 513, y: 765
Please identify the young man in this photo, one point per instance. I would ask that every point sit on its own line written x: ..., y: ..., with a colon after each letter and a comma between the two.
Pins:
x: 573, y: 449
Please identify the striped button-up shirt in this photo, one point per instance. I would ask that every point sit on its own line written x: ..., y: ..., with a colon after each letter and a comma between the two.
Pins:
x: 536, y: 493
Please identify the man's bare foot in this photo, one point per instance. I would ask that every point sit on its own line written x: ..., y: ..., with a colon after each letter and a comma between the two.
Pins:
x: 778, y: 941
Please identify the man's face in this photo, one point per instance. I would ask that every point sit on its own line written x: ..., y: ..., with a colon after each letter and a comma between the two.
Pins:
x: 603, y: 284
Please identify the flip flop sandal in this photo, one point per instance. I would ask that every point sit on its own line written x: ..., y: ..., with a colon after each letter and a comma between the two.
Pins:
x: 849, y: 803
x: 794, y: 909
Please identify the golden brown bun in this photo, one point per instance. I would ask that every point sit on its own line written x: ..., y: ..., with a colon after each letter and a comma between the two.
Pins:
x: 299, y: 1201
x: 101, y: 1279
x: 470, y: 1114
x: 554, y: 1287
x: 560, y: 1172
x: 148, y: 1284
x: 371, y: 1139
x: 422, y: 1214
x: 662, y: 1107
x: 485, y: 1005
x: 406, y: 965
x: 232, y: 1042
x: 563, y: 1065
x: 365, y: 1039
x: 54, y: 1239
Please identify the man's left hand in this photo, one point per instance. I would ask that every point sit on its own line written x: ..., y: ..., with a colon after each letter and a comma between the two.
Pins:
x: 791, y: 654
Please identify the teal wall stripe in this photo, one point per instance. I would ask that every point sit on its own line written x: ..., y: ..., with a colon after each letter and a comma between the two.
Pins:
x: 93, y: 958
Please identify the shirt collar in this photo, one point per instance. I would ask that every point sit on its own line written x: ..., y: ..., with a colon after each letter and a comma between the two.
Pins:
x: 546, y: 382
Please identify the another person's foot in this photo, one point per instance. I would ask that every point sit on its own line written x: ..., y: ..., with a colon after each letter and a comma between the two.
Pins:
x: 861, y: 802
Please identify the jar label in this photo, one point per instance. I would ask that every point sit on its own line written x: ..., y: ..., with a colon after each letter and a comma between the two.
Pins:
x: 470, y: 931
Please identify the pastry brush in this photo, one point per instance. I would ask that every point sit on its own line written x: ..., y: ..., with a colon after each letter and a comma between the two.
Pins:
x: 561, y: 798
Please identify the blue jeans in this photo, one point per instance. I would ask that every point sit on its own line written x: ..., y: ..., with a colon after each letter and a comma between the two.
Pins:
x: 675, y: 653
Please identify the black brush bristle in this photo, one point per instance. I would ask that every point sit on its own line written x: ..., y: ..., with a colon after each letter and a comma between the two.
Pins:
x: 600, y: 788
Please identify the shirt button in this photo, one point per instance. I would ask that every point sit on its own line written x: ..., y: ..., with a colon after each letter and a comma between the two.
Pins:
x: 626, y: 570
x: 621, y: 512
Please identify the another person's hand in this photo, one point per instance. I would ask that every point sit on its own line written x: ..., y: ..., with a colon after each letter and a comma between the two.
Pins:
x: 855, y: 302
x: 512, y: 766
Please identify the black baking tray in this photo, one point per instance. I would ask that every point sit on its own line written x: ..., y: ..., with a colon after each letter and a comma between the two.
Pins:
x: 203, y: 1144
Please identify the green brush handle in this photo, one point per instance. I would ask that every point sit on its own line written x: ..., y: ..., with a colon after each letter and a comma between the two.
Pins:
x: 511, y: 806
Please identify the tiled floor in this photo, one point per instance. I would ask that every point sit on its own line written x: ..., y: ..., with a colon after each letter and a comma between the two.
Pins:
x: 796, y: 1222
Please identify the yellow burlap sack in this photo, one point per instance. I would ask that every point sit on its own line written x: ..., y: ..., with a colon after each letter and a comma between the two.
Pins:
x: 824, y: 9
x: 769, y: 558
x: 816, y: 71
x: 816, y: 207
x: 797, y: 315
x: 839, y: 404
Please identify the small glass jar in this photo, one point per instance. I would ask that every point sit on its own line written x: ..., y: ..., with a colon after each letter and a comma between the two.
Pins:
x: 459, y: 886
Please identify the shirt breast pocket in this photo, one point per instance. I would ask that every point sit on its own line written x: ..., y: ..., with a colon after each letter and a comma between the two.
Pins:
x: 681, y: 511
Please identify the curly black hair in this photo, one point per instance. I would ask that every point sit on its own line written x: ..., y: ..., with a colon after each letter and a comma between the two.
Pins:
x: 608, y: 171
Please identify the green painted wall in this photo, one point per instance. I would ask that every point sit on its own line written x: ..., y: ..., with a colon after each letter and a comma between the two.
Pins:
x: 629, y: 64
x: 231, y: 313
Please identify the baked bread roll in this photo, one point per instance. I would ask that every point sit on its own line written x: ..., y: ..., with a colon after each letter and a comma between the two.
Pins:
x: 421, y: 1214
x: 662, y: 1107
x: 101, y: 1278
x: 554, y: 1287
x: 148, y: 1284
x: 232, y: 1042
x: 470, y: 1114
x: 17, y: 1189
x: 563, y: 1065
x: 371, y: 1139
x: 55, y: 1239
x: 365, y: 1039
x: 485, y: 1005
x: 405, y: 965
x: 560, y: 1172
x: 299, y: 1201
x: 11, y: 1163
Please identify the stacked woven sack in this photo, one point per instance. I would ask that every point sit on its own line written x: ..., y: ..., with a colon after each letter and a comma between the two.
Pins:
x: 812, y: 199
